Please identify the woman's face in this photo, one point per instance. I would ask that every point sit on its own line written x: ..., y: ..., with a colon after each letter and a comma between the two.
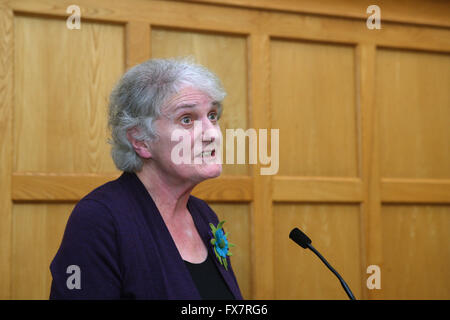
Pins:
x: 194, y: 115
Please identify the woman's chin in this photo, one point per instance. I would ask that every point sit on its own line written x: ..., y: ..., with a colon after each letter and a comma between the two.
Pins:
x: 209, y: 171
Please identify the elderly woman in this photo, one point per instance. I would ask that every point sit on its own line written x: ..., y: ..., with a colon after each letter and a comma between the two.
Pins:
x: 143, y: 236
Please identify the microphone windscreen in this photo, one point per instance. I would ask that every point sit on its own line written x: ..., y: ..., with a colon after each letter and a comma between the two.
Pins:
x: 300, y: 238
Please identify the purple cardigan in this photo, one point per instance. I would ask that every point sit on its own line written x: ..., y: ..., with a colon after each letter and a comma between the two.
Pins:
x: 117, y: 240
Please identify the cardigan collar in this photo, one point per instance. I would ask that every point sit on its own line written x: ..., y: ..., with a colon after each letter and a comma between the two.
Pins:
x: 179, y: 283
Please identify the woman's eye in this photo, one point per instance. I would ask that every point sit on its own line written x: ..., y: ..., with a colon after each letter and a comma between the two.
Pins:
x: 212, y: 116
x: 186, y: 120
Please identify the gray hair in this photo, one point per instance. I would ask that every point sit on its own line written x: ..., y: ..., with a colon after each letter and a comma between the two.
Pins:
x: 137, y: 99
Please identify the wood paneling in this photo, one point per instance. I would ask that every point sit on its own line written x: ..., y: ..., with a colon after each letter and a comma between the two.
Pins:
x: 334, y: 231
x: 137, y: 42
x: 314, y: 103
x: 61, y: 94
x: 62, y: 80
x: 6, y: 111
x: 413, y: 105
x: 225, y: 189
x: 416, y: 252
x: 415, y: 190
x: 55, y: 187
x: 349, y: 31
x: 216, y: 18
x: 317, y: 189
x: 37, y: 233
x: 370, y: 165
x: 262, y: 248
x: 29, y: 187
x: 414, y: 84
x: 406, y: 11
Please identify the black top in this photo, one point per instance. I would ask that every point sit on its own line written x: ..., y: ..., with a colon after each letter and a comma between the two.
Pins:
x: 208, y: 280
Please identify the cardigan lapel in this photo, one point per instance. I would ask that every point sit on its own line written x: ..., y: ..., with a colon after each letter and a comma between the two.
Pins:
x: 161, y: 251
x: 170, y: 266
x: 203, y: 228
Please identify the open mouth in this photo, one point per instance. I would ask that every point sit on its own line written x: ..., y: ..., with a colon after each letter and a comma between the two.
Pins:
x: 210, y: 153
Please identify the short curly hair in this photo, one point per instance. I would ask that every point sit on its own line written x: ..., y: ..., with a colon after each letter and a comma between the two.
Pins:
x: 137, y: 99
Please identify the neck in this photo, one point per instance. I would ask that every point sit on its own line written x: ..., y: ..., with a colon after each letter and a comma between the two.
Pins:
x: 170, y: 195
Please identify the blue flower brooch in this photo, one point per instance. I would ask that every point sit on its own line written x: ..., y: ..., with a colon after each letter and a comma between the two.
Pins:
x: 220, y: 244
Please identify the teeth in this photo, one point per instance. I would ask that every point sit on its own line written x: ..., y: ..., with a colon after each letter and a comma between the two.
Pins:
x: 206, y: 153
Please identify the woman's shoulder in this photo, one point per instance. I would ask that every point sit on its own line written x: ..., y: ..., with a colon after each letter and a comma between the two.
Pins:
x: 109, y: 196
x: 90, y: 214
x: 104, y: 193
x: 97, y: 207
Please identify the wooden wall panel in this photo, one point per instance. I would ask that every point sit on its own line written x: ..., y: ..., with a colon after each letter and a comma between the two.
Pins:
x: 370, y: 171
x: 413, y: 102
x: 261, y: 207
x: 413, y: 99
x: 313, y: 101
x: 226, y: 56
x: 334, y: 230
x: 406, y: 11
x: 61, y: 94
x: 237, y: 224
x: 37, y: 234
x: 416, y: 252
x: 137, y: 42
x: 6, y: 112
x: 59, y: 126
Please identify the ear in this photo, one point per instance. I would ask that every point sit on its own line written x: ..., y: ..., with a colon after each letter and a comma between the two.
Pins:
x: 141, y: 147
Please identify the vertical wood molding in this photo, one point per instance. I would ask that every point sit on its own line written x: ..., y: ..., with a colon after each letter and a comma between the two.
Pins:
x: 138, y: 43
x: 371, y: 233
x: 6, y: 101
x: 261, y: 210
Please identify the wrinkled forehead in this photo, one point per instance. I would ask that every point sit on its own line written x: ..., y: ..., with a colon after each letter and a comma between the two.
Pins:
x: 187, y: 98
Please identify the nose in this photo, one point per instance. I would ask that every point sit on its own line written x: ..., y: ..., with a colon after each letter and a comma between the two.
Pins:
x: 211, y: 131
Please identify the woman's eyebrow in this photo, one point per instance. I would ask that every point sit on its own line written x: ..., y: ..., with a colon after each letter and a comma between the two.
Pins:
x: 184, y: 106
x: 188, y: 105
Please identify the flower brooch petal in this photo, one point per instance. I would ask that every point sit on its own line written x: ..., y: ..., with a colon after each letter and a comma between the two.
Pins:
x: 220, y: 244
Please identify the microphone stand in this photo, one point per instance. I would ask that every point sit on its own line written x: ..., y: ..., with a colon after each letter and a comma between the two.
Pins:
x: 344, y: 285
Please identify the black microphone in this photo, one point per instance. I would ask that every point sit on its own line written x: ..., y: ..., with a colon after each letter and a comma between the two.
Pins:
x: 303, y: 241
